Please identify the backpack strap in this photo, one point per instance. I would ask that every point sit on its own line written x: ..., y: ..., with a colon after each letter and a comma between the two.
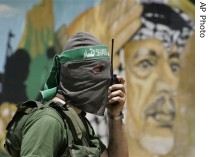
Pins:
x: 13, y: 137
x: 78, y: 124
x: 74, y: 122
x: 23, y: 109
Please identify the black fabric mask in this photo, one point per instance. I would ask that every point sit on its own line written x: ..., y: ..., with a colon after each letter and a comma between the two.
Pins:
x: 85, y: 84
x: 81, y: 74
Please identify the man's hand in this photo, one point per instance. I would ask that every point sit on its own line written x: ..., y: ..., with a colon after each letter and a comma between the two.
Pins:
x: 117, y: 146
x: 117, y: 97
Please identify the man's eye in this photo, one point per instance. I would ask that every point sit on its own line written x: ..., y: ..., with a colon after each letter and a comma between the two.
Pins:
x: 145, y: 64
x: 98, y: 68
x: 175, y: 67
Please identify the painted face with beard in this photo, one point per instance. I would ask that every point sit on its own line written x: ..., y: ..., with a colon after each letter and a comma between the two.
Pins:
x: 152, y: 80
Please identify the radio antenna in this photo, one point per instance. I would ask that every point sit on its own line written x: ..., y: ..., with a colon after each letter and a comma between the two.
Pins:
x: 111, y: 71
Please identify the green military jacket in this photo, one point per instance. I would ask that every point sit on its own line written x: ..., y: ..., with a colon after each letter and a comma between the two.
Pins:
x: 48, y: 133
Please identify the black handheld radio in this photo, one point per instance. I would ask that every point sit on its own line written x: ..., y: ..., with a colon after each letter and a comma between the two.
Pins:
x: 114, y: 79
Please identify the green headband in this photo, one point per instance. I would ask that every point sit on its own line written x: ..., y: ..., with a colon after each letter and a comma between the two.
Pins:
x: 85, y: 53
x: 77, y: 54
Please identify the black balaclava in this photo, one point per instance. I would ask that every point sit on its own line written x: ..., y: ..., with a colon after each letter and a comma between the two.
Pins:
x: 74, y: 77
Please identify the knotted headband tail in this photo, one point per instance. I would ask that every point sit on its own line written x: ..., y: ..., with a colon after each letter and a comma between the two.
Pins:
x: 50, y: 87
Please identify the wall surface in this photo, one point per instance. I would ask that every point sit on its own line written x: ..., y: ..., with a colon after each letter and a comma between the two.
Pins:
x: 154, y: 50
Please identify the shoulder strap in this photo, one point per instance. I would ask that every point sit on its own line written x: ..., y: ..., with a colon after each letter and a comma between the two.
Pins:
x: 14, y: 128
x: 78, y: 124
x: 74, y: 122
x: 23, y: 109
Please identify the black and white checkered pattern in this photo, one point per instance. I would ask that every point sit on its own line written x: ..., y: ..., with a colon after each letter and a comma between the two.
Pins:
x: 170, y: 25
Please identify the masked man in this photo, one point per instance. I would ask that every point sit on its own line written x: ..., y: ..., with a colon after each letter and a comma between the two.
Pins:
x: 79, y: 82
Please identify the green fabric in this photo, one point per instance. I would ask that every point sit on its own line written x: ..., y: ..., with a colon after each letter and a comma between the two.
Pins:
x: 49, y: 94
x: 85, y: 53
x: 50, y: 87
x: 40, y: 130
x: 45, y: 135
x: 77, y: 54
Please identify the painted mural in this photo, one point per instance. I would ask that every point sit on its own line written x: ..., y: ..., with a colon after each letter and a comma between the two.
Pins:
x: 154, y: 49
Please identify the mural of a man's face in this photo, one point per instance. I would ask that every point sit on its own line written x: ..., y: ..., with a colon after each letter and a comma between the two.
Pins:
x: 152, y: 81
